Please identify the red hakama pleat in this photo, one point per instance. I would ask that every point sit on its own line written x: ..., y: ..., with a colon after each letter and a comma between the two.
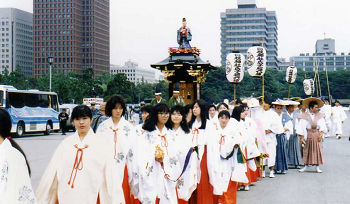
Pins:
x: 204, y: 188
x: 133, y: 200
x: 230, y: 196
x: 126, y: 187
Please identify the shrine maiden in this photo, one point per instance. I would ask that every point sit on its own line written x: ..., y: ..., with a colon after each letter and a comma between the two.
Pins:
x: 15, y: 186
x: 81, y: 170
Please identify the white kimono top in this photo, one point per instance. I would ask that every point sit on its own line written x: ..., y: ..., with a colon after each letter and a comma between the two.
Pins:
x: 303, y: 125
x: 219, y: 169
x: 271, y: 121
x: 187, y: 183
x: 248, y: 128
x: 338, y: 114
x: 288, y: 125
x: 155, y: 180
x: 80, y: 172
x: 238, y: 170
x: 326, y: 110
x: 15, y: 187
x: 199, y: 138
x: 120, y: 139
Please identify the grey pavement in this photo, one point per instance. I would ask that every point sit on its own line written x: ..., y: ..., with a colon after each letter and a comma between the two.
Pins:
x: 329, y: 187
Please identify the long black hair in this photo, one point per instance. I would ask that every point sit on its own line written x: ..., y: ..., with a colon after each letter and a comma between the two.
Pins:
x: 5, y: 129
x: 236, y: 113
x: 203, y: 106
x: 150, y: 124
x: 183, y: 124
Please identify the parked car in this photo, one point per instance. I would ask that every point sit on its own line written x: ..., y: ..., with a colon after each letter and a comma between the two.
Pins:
x: 69, y: 109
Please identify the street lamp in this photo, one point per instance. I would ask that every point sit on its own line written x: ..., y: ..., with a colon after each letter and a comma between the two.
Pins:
x: 50, y: 60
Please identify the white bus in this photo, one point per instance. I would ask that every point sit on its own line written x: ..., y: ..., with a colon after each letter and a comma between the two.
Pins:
x: 30, y: 110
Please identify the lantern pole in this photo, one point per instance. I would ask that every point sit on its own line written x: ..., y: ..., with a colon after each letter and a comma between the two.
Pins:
x: 262, y: 77
x: 234, y: 94
x: 288, y: 91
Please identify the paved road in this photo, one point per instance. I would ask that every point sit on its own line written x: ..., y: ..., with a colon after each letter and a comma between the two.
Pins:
x: 330, y: 187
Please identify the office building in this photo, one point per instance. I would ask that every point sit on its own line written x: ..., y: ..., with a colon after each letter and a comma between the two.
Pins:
x: 74, y: 33
x: 134, y: 73
x: 324, y: 58
x: 16, y: 41
x: 246, y: 26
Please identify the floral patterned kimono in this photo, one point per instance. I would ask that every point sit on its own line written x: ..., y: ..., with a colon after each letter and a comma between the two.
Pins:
x: 187, y: 183
x: 157, y: 180
x: 15, y: 187
x: 120, y: 139
x: 80, y: 171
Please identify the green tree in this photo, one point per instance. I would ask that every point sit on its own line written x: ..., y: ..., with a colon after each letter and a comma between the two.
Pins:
x: 121, y: 86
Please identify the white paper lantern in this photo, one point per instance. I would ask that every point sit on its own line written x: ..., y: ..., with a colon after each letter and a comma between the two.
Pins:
x: 309, y: 86
x: 235, y: 67
x: 256, y: 61
x: 291, y: 74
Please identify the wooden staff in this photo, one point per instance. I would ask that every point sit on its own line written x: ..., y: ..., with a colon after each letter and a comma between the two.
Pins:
x: 288, y: 90
x: 234, y: 93
x: 262, y: 87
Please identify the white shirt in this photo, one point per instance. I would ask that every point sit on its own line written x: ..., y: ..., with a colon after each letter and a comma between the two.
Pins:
x: 338, y: 114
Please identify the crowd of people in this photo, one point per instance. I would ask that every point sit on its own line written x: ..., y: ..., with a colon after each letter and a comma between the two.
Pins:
x: 196, y: 153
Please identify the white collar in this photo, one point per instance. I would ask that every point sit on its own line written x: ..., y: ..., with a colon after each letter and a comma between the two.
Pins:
x: 86, y: 140
x: 6, y: 144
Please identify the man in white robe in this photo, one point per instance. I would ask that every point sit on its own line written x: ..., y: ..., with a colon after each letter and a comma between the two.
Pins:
x: 338, y: 116
x: 326, y: 110
x: 272, y: 125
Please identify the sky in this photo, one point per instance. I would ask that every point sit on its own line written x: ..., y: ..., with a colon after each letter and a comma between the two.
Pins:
x: 142, y: 30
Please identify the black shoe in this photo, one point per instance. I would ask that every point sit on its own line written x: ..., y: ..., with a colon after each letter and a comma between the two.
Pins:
x: 63, y: 133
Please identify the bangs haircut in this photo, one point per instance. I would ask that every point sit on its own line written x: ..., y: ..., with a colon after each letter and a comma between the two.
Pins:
x: 224, y: 113
x: 203, y: 115
x: 212, y: 106
x: 236, y: 113
x: 112, y: 102
x: 81, y: 111
x: 147, y: 109
x: 177, y: 108
x: 183, y: 123
x: 150, y: 124
x: 222, y: 104
x: 161, y: 108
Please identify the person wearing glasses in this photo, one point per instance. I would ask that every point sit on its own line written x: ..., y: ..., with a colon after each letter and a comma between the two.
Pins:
x: 157, y: 162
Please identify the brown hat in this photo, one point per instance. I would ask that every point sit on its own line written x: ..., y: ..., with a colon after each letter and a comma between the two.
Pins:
x: 307, y: 101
